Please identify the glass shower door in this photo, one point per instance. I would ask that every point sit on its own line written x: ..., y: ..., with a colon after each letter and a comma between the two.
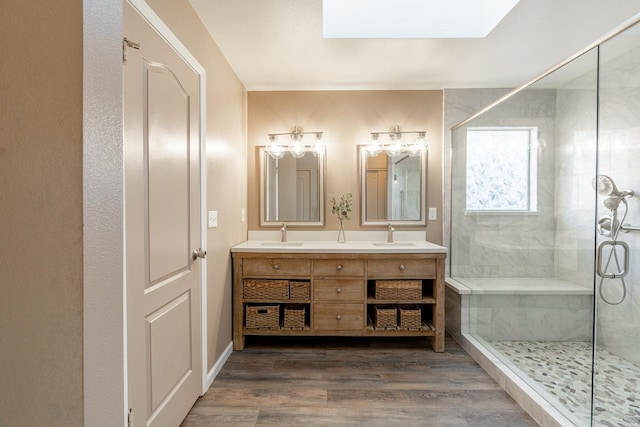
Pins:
x: 522, y: 233
x: 616, y: 397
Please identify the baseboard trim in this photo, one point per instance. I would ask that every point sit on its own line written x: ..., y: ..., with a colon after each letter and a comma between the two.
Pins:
x: 215, y: 370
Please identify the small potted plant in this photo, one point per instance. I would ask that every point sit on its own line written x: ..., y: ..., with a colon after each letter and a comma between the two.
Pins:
x: 341, y: 208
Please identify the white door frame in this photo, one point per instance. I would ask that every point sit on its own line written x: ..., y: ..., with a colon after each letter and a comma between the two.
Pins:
x: 154, y: 20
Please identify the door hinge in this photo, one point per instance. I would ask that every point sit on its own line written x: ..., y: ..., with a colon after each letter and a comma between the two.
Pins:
x: 130, y: 418
x: 126, y: 43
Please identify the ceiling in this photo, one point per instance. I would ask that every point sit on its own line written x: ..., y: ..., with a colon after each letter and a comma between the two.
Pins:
x: 278, y: 45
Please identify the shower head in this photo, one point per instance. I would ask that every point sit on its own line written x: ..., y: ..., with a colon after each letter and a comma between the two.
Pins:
x: 612, y: 203
x: 606, y: 187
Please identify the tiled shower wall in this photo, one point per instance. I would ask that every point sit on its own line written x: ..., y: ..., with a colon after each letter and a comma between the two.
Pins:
x: 459, y: 104
x: 576, y: 112
x: 512, y: 244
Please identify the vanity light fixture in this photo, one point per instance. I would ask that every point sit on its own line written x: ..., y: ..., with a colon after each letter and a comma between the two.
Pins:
x: 296, y: 147
x: 396, y: 145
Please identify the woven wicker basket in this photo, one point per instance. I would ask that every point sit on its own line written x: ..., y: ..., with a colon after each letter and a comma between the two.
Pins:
x: 386, y: 289
x: 385, y: 316
x: 410, y: 317
x: 294, y: 316
x: 409, y: 289
x: 262, y: 316
x: 398, y: 289
x: 266, y: 289
x: 299, y: 290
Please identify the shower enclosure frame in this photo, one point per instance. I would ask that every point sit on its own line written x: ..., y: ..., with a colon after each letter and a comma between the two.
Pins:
x: 522, y: 391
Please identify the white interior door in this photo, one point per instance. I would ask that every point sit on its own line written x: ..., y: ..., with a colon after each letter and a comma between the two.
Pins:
x: 162, y: 217
x: 376, y: 189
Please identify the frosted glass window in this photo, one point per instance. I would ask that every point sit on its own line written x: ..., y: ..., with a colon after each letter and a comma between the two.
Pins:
x: 501, y: 169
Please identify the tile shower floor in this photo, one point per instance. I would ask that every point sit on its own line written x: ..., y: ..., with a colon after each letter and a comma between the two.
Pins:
x: 564, y: 370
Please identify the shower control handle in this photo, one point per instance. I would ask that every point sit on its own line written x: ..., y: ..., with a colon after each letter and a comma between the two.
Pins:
x: 625, y: 228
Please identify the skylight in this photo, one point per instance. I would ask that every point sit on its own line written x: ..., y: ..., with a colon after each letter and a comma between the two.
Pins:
x: 358, y: 19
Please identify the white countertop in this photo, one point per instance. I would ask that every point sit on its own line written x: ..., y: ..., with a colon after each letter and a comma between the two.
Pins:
x: 422, y: 247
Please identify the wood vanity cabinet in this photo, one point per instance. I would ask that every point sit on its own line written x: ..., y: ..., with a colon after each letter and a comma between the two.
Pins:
x: 342, y: 299
x: 338, y: 295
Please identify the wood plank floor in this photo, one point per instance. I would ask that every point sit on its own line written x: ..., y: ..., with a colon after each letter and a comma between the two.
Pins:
x: 354, y: 382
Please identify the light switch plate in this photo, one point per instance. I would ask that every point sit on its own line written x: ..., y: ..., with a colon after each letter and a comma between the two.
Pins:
x: 242, y: 215
x: 433, y: 214
x: 213, y: 219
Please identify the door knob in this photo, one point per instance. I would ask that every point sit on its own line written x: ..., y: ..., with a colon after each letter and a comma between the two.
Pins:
x: 199, y: 253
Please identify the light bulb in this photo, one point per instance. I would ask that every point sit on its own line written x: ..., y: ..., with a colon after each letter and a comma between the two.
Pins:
x: 373, y: 148
x: 419, y: 146
x: 297, y: 149
x: 318, y: 146
x: 396, y: 148
x: 275, y: 150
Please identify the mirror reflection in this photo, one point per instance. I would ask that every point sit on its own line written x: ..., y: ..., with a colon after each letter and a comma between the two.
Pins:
x: 292, y: 188
x: 393, y: 188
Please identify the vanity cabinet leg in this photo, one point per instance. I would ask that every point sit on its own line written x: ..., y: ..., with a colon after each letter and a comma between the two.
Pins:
x: 238, y: 336
x: 438, y: 342
x: 438, y: 314
x: 238, y: 343
x: 238, y: 305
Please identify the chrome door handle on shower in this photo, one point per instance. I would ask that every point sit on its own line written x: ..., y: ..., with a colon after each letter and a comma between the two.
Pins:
x: 603, y: 273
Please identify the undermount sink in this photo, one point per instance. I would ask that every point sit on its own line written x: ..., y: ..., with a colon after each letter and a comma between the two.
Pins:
x: 394, y: 244
x: 280, y: 244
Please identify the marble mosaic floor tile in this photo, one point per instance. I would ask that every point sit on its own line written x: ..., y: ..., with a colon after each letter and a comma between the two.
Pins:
x: 564, y: 370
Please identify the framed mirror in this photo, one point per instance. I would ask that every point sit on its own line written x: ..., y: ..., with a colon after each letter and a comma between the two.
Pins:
x: 292, y: 189
x: 393, y: 188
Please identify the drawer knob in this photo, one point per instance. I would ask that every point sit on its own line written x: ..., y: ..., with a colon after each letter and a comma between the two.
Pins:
x: 276, y: 266
x: 338, y: 317
x: 402, y: 267
x: 338, y: 290
x: 339, y: 267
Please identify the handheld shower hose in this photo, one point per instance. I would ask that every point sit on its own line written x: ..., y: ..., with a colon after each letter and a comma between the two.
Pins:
x: 609, y: 225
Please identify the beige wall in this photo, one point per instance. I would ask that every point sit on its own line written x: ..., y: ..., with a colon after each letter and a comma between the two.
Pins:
x: 41, y: 204
x: 41, y: 214
x: 347, y: 118
x: 226, y: 153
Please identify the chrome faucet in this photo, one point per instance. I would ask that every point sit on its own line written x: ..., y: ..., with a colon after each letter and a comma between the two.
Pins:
x: 283, y: 230
x: 390, y: 231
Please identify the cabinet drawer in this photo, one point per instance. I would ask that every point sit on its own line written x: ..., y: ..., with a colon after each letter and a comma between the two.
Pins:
x: 416, y: 268
x: 338, y: 290
x: 338, y: 317
x: 280, y: 267
x: 338, y: 267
